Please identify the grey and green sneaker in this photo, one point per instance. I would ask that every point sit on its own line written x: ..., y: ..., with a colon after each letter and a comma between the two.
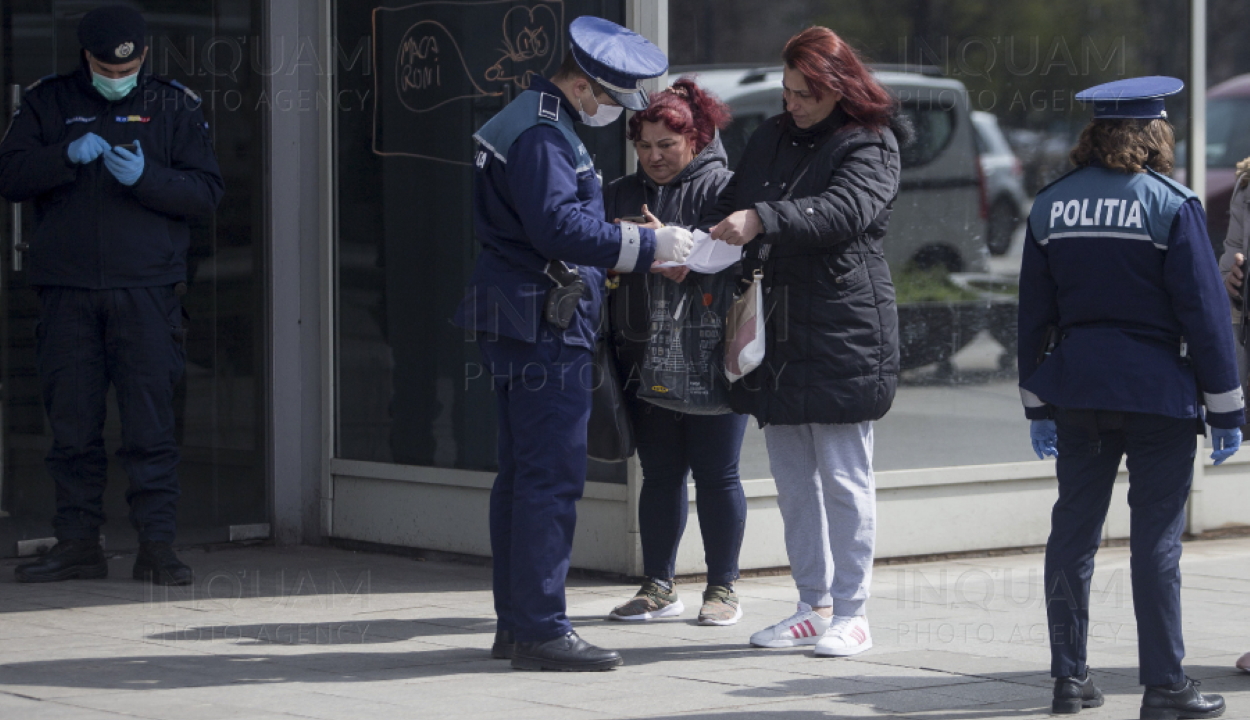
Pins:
x: 651, y: 602
x: 720, y: 606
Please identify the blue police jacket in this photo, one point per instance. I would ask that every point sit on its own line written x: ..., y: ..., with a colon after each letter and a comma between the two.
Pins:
x: 90, y: 230
x: 1120, y: 264
x: 537, y: 197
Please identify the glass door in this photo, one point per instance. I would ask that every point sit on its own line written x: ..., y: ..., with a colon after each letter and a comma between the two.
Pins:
x: 220, y: 405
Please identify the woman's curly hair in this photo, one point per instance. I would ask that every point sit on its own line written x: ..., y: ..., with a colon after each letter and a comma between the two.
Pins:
x: 684, y: 108
x: 1127, y: 144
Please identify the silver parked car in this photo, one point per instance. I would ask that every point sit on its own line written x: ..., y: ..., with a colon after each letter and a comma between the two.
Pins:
x: 939, y: 217
x: 1004, y: 183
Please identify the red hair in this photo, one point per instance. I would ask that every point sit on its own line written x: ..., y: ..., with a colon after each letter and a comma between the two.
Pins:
x: 686, y: 109
x: 829, y: 64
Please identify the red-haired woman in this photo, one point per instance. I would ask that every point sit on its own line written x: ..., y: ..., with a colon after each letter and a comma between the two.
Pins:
x: 682, y: 168
x: 811, y: 199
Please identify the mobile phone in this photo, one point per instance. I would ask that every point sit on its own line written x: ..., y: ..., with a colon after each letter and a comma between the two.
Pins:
x: 636, y: 219
x: 129, y: 147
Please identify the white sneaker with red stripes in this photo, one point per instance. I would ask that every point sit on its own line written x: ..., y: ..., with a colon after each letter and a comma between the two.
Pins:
x: 846, y: 636
x: 804, y: 627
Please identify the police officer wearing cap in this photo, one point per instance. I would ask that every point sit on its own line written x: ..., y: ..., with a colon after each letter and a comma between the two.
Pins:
x: 115, y: 161
x: 533, y: 302
x: 1125, y: 337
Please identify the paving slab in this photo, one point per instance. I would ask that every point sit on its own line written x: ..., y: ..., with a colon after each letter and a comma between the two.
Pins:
x: 314, y: 632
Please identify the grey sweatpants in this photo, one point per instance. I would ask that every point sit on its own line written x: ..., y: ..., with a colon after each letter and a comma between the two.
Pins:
x: 827, y: 497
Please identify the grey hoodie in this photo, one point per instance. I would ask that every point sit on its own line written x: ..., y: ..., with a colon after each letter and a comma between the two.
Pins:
x: 681, y: 202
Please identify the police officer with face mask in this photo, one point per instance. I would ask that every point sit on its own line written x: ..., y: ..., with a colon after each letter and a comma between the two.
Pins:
x: 115, y: 161
x: 1125, y: 338
x: 533, y: 302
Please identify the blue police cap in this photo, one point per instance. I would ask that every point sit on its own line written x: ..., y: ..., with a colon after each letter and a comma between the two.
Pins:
x: 617, y: 58
x: 1140, y: 97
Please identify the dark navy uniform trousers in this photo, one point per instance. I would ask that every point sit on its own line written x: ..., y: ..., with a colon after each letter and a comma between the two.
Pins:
x: 1160, y: 462
x: 543, y: 393
x: 134, y: 339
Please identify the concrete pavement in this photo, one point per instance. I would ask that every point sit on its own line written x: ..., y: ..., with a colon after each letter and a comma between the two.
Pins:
x: 304, y: 632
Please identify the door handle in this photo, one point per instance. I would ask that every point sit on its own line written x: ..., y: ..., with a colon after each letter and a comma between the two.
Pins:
x: 15, y: 209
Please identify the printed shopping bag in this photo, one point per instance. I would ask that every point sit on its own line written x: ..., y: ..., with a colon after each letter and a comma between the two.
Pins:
x: 744, y: 331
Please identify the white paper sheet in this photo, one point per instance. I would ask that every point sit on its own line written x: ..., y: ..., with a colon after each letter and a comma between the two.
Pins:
x: 708, y: 255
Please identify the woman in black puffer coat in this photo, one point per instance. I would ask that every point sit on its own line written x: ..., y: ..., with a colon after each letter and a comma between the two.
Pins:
x: 682, y: 169
x: 811, y: 200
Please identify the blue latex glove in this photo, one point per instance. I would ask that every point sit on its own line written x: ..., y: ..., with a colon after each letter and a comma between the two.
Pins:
x: 126, y: 166
x: 1045, y: 438
x: 86, y: 148
x: 1225, y: 442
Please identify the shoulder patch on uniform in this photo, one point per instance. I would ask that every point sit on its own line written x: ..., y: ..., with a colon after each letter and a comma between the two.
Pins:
x: 549, y: 107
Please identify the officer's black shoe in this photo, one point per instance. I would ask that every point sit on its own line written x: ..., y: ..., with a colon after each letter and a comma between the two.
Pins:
x: 158, y: 565
x: 1181, y: 701
x: 567, y: 652
x: 1074, y: 693
x: 503, y: 646
x: 68, y: 559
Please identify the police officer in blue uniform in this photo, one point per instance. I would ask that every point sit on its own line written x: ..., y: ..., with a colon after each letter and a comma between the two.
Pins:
x: 116, y: 161
x: 533, y: 301
x: 1125, y: 336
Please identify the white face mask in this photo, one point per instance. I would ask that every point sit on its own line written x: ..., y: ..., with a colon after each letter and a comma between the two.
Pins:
x: 604, y: 115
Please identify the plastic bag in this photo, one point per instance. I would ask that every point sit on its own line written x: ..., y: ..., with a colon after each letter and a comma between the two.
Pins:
x: 683, y: 366
x: 744, y: 331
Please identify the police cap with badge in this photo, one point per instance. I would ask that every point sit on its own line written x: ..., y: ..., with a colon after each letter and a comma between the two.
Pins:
x: 1136, y: 98
x: 114, y: 35
x: 617, y: 58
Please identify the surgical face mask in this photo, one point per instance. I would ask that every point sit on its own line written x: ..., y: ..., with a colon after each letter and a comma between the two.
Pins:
x: 605, y: 115
x: 114, y: 88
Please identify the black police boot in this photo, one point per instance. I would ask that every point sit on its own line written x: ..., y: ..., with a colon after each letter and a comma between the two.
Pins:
x: 1074, y: 693
x: 503, y: 646
x: 1181, y: 701
x: 158, y: 565
x: 68, y: 559
x: 567, y: 652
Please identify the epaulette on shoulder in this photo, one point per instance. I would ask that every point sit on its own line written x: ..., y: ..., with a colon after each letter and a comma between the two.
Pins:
x: 178, y: 86
x: 1056, y: 180
x: 41, y: 81
x: 548, y: 107
x: 1170, y: 183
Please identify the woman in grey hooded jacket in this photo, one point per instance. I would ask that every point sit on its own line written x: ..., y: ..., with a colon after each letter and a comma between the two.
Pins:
x: 682, y: 169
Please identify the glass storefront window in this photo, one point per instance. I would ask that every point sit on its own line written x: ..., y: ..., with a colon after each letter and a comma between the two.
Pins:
x: 955, y: 237
x: 410, y: 388
x: 971, y: 82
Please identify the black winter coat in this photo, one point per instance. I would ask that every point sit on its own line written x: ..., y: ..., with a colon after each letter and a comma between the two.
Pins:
x: 683, y: 201
x: 90, y: 230
x: 832, y: 353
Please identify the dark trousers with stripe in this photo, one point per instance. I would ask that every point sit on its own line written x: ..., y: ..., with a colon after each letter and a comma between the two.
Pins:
x: 134, y: 339
x: 1160, y: 452
x: 543, y: 394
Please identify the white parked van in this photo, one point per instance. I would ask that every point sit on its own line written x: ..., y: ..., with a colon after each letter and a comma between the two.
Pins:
x: 940, y: 214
